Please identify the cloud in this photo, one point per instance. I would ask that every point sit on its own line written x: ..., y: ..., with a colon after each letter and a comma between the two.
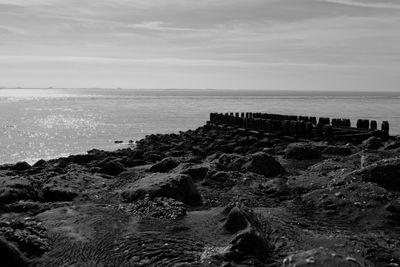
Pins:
x: 367, y: 4
x: 199, y: 38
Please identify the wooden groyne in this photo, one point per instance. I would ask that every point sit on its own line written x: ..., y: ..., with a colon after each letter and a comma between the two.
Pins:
x: 303, y: 126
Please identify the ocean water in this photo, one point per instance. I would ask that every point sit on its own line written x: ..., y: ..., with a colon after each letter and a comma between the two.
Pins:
x: 47, y: 123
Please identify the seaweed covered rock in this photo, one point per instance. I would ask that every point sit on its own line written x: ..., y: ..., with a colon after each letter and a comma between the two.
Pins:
x: 302, y: 151
x: 165, y: 165
x: 337, y: 150
x: 319, y: 257
x: 264, y: 164
x: 159, y: 207
x: 10, y: 255
x: 372, y: 143
x: 21, y: 166
x: 112, y: 168
x: 27, y: 233
x: 385, y: 173
x: 176, y: 186
x: 196, y: 171
x: 250, y: 238
x: 14, y: 188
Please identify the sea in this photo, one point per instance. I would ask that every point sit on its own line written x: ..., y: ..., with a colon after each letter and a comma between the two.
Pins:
x: 49, y: 123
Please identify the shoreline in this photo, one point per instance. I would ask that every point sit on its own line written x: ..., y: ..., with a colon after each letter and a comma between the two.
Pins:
x: 209, y: 196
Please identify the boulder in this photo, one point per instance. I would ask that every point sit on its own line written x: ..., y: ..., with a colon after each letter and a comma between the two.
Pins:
x: 392, y: 145
x: 385, y: 173
x: 302, y: 151
x: 319, y: 257
x: 249, y: 237
x: 165, y: 165
x: 10, y: 255
x: 264, y: 164
x: 176, y: 186
x: 372, y: 143
x: 112, y: 168
x: 21, y: 166
x: 15, y: 188
x: 338, y: 150
x: 54, y: 193
x: 394, y: 208
x: 196, y: 171
x: 236, y: 220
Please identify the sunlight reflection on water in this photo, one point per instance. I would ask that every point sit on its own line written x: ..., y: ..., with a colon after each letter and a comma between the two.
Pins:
x: 37, y: 124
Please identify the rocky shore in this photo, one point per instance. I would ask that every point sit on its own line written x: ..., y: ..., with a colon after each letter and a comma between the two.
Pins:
x: 214, y: 196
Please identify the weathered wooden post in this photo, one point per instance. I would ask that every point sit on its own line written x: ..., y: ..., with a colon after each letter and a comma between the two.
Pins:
x: 319, y: 130
x: 309, y: 130
x: 328, y: 132
x: 373, y: 125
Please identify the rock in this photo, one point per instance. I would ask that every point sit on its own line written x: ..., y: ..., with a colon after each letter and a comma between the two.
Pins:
x: 337, y: 150
x: 196, y: 171
x: 236, y: 220
x: 159, y: 207
x: 21, y: 166
x: 54, y: 193
x: 250, y: 238
x: 165, y: 165
x: 39, y: 164
x: 319, y: 257
x: 368, y: 159
x: 11, y: 256
x: 134, y: 162
x: 392, y: 145
x: 112, y: 168
x: 385, y: 173
x: 249, y: 242
x: 394, y: 208
x: 264, y: 164
x: 153, y: 157
x: 14, y: 188
x: 302, y: 151
x: 372, y: 143
x: 176, y: 186
x: 27, y: 233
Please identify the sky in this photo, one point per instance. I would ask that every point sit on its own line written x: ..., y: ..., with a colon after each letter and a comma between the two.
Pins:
x: 351, y: 45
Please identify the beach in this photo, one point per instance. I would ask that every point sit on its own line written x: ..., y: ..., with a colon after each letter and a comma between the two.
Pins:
x: 213, y: 196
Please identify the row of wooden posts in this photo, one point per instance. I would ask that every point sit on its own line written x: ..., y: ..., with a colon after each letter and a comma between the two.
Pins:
x: 300, y: 126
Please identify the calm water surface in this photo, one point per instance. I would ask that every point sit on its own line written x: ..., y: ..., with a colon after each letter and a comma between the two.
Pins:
x: 48, y: 123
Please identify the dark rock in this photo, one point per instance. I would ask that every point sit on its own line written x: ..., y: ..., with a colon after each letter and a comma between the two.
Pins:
x: 394, y: 208
x: 134, y: 162
x: 21, y: 166
x: 27, y: 233
x: 53, y: 193
x: 196, y: 171
x: 385, y: 172
x: 392, y: 145
x: 165, y: 165
x: 159, y: 207
x: 153, y: 157
x: 236, y: 220
x: 11, y: 256
x: 337, y: 150
x: 302, y: 151
x: 250, y: 242
x: 319, y: 257
x: 112, y: 168
x: 14, y: 188
x: 372, y: 143
x: 39, y: 164
x: 263, y: 164
x: 176, y: 186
